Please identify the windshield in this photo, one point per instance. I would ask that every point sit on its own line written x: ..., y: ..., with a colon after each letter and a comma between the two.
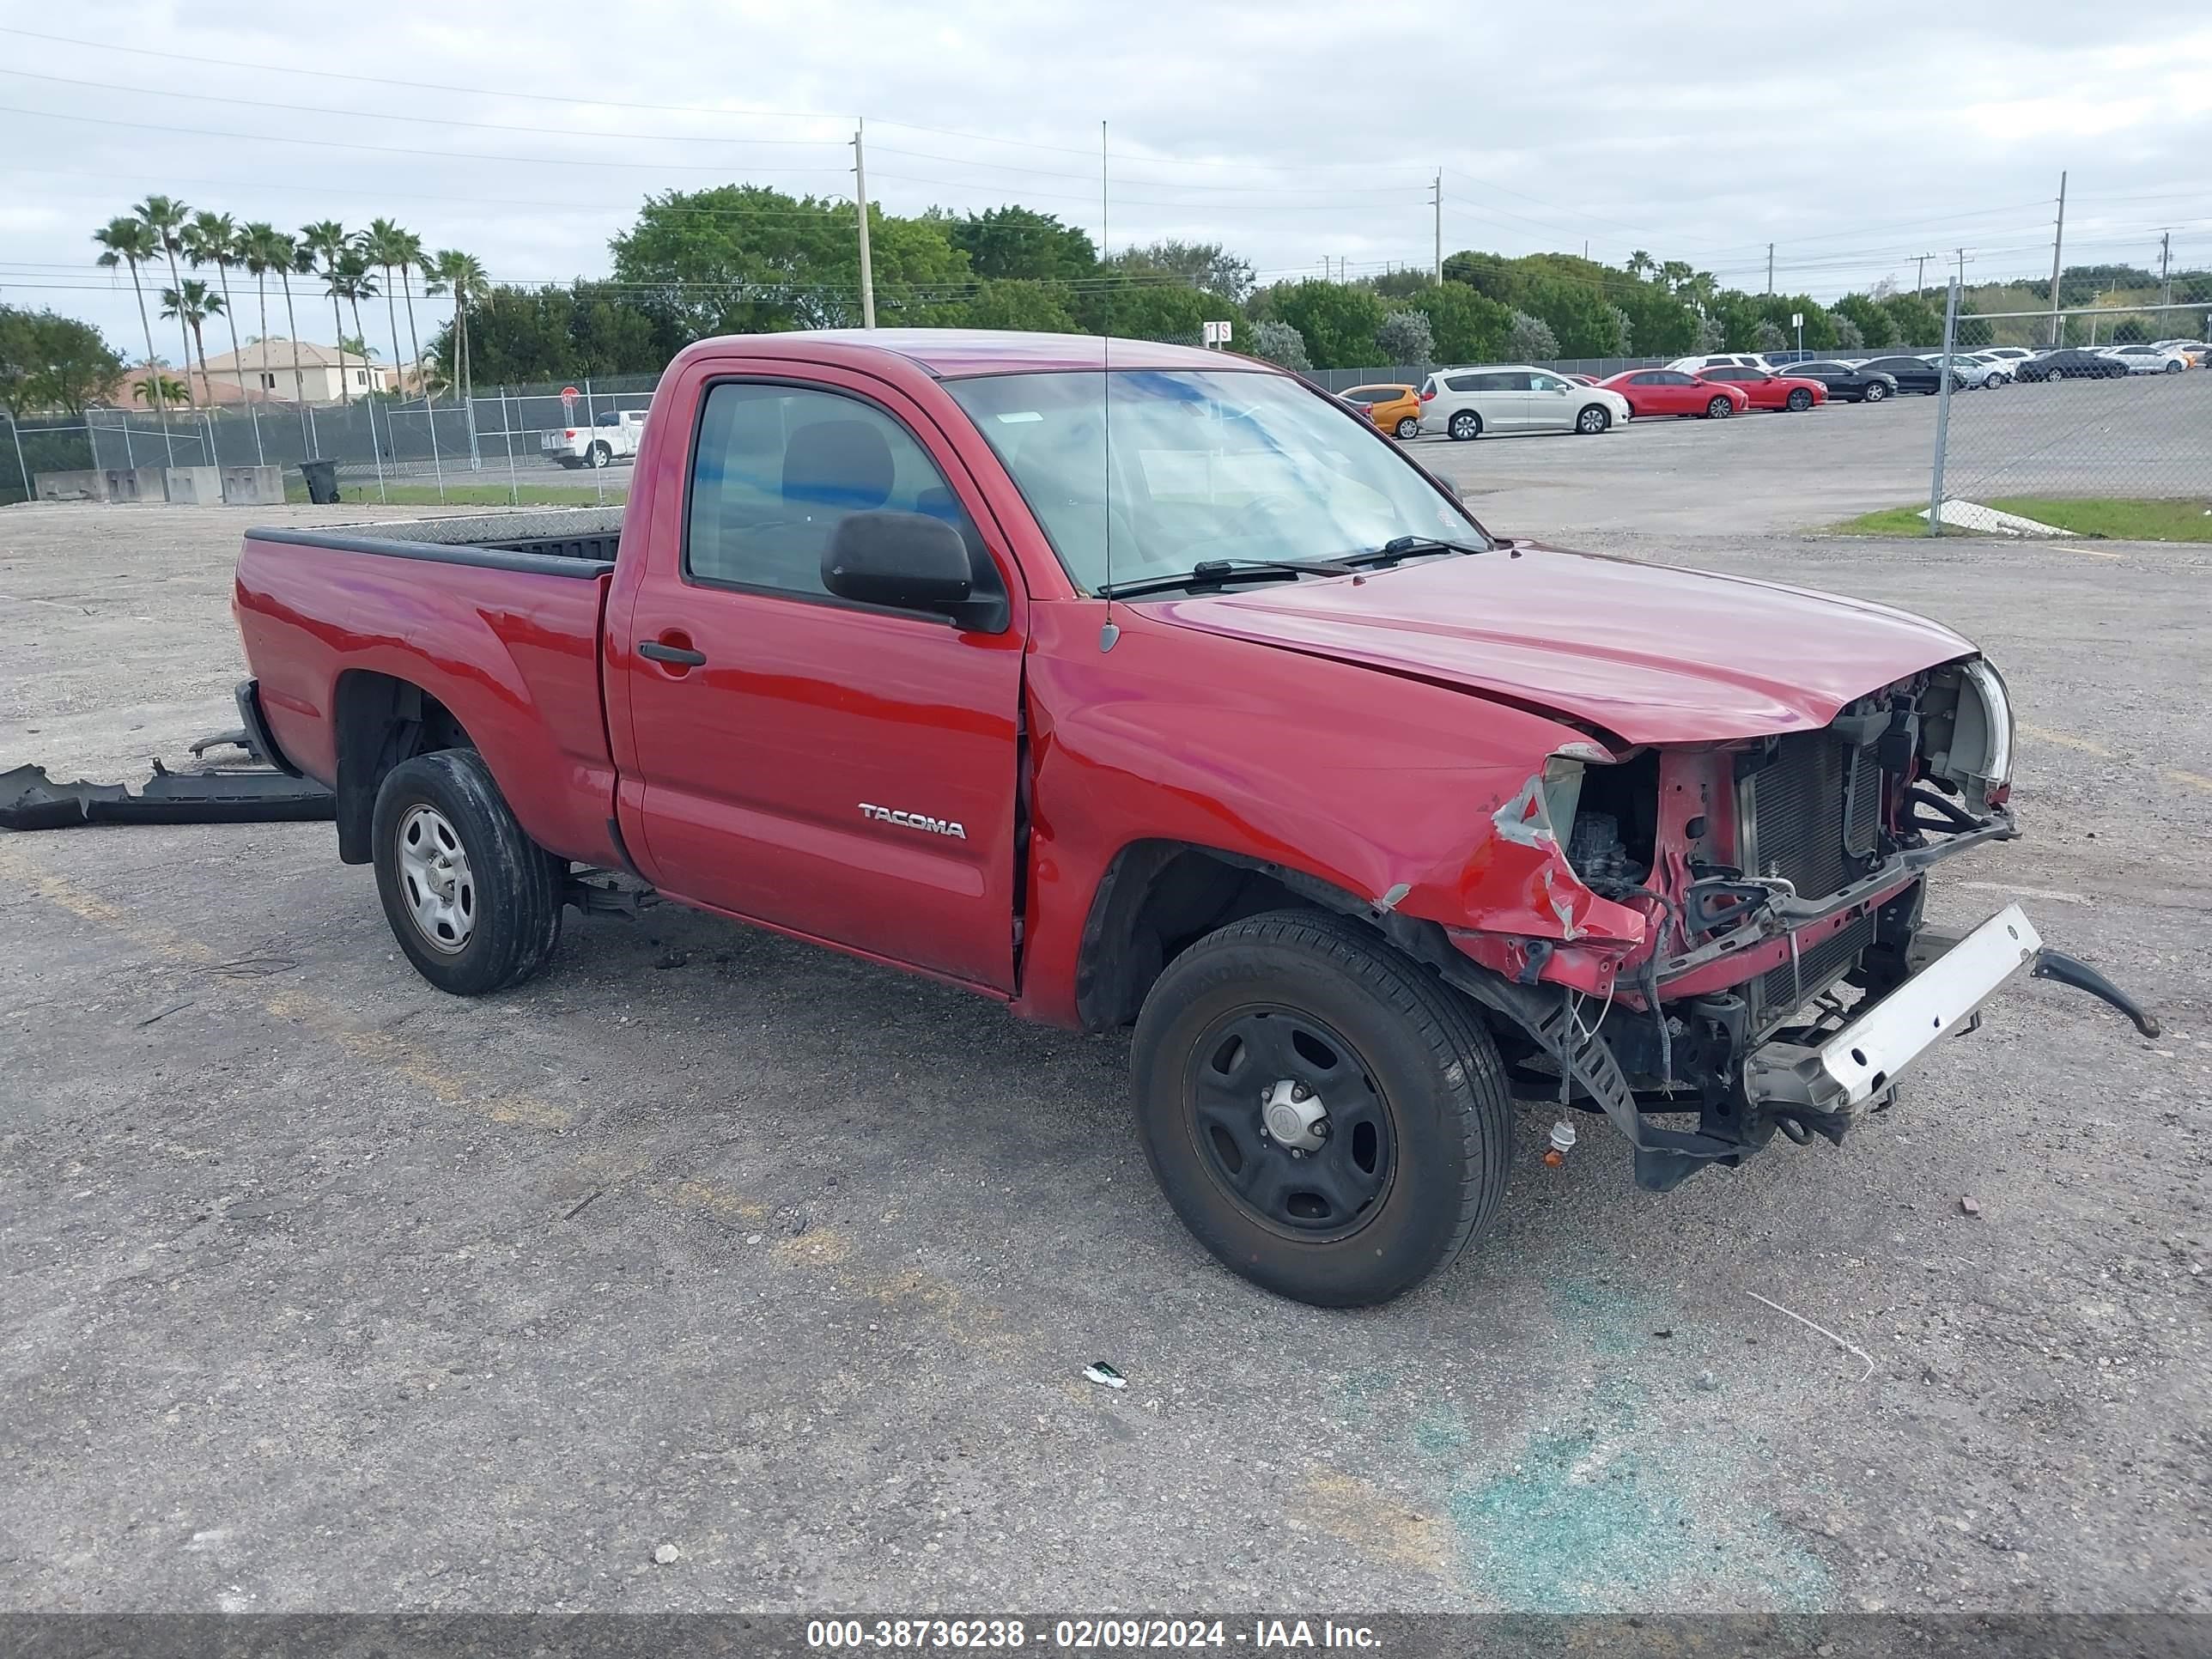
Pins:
x: 1204, y: 465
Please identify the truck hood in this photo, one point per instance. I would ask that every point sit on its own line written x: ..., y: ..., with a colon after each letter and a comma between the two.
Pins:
x: 1648, y: 653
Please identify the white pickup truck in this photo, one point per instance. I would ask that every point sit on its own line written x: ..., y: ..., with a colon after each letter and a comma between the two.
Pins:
x: 611, y: 437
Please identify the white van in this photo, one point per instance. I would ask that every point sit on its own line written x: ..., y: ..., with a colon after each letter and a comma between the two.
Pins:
x: 1501, y: 397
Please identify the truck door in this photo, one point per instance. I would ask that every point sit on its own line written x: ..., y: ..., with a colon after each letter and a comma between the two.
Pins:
x: 841, y: 771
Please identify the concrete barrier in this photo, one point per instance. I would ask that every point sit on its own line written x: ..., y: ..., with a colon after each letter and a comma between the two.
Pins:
x: 253, y: 486
x: 195, y: 486
x: 133, y: 484
x: 90, y: 486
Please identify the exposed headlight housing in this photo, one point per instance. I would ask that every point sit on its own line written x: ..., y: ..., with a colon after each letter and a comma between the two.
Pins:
x: 1977, y: 755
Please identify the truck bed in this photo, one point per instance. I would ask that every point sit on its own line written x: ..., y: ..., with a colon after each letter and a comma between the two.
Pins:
x: 497, y: 616
x: 565, y: 541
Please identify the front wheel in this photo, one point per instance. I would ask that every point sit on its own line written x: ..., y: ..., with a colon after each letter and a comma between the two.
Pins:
x: 474, y: 902
x: 1799, y: 400
x: 1325, y: 1116
x: 1718, y: 409
x: 1408, y: 428
x: 1465, y: 425
x: 2173, y: 368
x: 2056, y: 374
x: 1593, y: 419
x: 1877, y: 392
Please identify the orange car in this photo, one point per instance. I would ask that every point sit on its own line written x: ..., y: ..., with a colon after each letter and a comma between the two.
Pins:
x: 1395, y: 409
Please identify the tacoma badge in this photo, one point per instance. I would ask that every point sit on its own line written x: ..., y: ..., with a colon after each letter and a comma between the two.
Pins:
x: 914, y: 821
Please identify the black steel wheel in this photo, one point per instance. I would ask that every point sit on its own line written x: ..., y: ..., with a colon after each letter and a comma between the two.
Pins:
x: 1325, y: 1115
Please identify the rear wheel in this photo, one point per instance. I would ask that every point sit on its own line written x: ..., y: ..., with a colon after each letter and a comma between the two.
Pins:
x: 1595, y: 418
x: 1799, y: 400
x: 1718, y: 409
x: 1324, y: 1115
x: 1465, y: 425
x: 1409, y: 428
x: 599, y: 455
x: 474, y: 902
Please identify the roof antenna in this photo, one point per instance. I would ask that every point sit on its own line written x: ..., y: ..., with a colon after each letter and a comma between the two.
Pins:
x: 1109, y: 633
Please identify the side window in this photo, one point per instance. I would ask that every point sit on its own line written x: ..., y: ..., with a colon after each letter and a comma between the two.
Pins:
x: 1670, y: 376
x: 1546, y: 383
x: 779, y: 468
x: 1471, y: 382
x: 1361, y: 394
x: 1654, y: 379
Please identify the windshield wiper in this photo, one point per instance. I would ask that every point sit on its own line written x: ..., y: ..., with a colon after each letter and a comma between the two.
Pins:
x: 1407, y: 547
x: 1211, y: 573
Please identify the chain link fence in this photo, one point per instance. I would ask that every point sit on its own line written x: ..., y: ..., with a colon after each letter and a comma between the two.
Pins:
x: 2113, y: 440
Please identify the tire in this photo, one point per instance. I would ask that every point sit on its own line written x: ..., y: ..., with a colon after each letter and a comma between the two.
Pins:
x: 2173, y: 368
x: 1799, y: 399
x: 1593, y: 419
x: 598, y: 455
x: 1874, y: 393
x: 1421, y: 1098
x: 2054, y: 373
x: 1408, y: 428
x: 1465, y: 426
x: 569, y: 463
x: 1718, y: 409
x: 500, y: 917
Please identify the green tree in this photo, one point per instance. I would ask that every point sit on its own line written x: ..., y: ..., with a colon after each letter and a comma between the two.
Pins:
x: 1530, y: 339
x: 357, y: 281
x: 1019, y: 242
x: 1912, y: 321
x: 1271, y: 342
x: 1337, y: 321
x: 1468, y: 327
x: 1137, y: 308
x: 191, y: 303
x: 1204, y: 265
x: 164, y: 216
x: 162, y: 386
x: 747, y: 259
x: 1407, y: 337
x: 127, y: 241
x: 396, y: 252
x: 50, y: 361
x: 211, y: 239
x: 1036, y: 306
x: 1875, y: 328
x: 1583, y: 322
x: 323, y: 246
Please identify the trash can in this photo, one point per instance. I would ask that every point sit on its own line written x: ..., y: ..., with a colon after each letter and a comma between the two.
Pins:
x: 322, y: 478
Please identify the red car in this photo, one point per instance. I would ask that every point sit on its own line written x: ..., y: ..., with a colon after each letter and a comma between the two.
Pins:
x: 1669, y: 391
x: 1768, y: 390
x: 1361, y: 838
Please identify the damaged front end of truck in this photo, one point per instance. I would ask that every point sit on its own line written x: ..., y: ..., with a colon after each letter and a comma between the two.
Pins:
x: 1734, y: 937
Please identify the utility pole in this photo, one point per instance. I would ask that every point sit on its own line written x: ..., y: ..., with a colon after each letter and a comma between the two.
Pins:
x: 1920, y: 274
x: 2166, y: 268
x: 1770, y: 267
x: 860, y: 193
x: 1438, y: 198
x: 2058, y: 246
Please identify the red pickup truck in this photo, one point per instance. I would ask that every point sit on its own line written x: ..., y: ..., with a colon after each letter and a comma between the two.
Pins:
x: 1147, y: 684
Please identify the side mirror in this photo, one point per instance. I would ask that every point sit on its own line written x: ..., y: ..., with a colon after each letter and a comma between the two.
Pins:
x: 908, y: 560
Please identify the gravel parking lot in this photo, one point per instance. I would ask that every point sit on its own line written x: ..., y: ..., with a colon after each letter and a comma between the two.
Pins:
x: 322, y: 1290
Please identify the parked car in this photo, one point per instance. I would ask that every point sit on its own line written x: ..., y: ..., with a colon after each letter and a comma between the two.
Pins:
x: 1973, y: 369
x: 2195, y: 350
x: 1467, y: 402
x: 611, y: 437
x: 1394, y: 409
x: 1351, y: 810
x: 1792, y: 391
x: 1671, y: 392
x: 1846, y: 383
x: 2150, y: 359
x: 1911, y: 373
x: 1582, y: 380
x: 2011, y: 358
x: 2073, y: 363
x: 1699, y: 365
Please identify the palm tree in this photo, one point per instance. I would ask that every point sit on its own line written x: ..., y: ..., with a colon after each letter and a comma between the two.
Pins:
x: 192, y: 305
x: 164, y: 216
x: 356, y: 283
x: 263, y: 248
x: 410, y: 248
x: 1641, y: 264
x: 211, y: 239
x: 126, y: 241
x: 159, y: 385
x: 326, y: 240
x: 385, y: 244
x: 462, y: 276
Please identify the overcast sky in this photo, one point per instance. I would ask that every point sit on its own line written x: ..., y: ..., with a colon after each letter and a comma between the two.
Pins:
x: 1855, y: 137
